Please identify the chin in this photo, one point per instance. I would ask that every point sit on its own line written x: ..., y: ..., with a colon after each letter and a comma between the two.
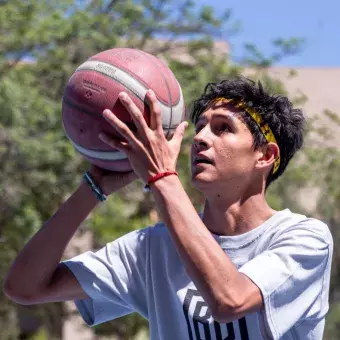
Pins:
x: 200, y: 180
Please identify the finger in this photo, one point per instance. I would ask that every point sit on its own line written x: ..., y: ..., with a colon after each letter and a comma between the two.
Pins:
x: 155, y: 111
x: 134, y: 111
x: 120, y: 126
x: 179, y: 133
x: 114, y: 143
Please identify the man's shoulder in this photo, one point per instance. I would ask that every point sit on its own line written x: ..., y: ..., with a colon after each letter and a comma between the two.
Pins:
x: 298, y: 225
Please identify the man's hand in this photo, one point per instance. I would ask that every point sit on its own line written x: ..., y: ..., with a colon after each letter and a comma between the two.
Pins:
x: 147, y: 149
x: 111, y: 181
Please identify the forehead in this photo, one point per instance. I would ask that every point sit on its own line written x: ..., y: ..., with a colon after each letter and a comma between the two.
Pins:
x: 222, y: 110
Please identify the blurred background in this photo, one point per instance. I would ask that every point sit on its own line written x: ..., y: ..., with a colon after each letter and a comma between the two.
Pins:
x: 292, y: 47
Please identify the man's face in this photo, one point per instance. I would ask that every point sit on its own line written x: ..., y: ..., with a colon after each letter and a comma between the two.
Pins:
x: 222, y: 154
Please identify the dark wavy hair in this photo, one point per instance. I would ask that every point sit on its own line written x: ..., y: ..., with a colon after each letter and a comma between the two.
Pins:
x: 286, y: 122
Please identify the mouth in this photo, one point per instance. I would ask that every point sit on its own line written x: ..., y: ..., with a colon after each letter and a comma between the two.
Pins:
x: 201, y: 161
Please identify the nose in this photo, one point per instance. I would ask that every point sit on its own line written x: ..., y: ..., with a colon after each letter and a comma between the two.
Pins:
x: 202, y: 139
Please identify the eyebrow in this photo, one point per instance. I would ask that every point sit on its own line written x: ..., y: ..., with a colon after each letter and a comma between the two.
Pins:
x: 230, y: 117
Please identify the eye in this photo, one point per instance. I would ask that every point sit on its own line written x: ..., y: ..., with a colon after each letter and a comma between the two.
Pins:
x: 223, y: 127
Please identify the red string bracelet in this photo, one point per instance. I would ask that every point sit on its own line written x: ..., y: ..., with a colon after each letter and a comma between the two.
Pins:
x: 157, y: 177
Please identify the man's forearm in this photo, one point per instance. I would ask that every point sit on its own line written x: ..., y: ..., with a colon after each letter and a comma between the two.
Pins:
x: 210, y: 268
x: 33, y: 268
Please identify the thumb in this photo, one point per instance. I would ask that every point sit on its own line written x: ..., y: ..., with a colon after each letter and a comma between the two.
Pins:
x: 179, y: 133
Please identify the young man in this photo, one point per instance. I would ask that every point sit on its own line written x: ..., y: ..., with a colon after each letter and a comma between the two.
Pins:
x: 238, y: 270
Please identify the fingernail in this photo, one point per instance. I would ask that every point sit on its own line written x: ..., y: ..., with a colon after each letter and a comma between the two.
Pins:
x: 151, y: 92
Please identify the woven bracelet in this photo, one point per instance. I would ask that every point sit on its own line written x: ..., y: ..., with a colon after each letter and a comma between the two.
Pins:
x: 157, y: 177
x: 98, y: 192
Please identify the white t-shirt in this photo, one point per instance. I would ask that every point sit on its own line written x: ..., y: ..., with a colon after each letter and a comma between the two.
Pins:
x: 288, y: 257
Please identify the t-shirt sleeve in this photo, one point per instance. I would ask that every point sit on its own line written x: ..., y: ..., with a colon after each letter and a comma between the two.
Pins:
x: 114, y: 278
x: 293, y: 275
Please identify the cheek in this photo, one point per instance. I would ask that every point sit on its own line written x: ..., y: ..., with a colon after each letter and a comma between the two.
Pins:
x: 226, y: 159
x: 238, y: 157
x: 226, y: 154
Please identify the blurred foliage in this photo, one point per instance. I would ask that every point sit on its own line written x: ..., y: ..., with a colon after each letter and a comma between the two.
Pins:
x: 42, y: 43
x: 282, y: 48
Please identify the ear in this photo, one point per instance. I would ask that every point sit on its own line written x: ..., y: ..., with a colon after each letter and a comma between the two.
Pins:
x: 267, y: 155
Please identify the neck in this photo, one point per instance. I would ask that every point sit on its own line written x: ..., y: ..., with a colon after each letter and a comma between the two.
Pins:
x: 237, y: 217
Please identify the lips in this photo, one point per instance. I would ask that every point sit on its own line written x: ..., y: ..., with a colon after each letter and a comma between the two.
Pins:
x: 202, y: 160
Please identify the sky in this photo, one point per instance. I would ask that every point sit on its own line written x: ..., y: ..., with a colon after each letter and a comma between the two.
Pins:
x: 317, y: 21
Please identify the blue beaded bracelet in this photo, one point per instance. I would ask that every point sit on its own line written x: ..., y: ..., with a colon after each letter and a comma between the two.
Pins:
x: 98, y: 192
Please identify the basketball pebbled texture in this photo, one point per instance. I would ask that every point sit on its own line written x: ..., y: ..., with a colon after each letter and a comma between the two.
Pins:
x: 95, y: 86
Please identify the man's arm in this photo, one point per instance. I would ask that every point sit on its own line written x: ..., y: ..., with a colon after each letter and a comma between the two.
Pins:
x: 229, y: 293
x: 36, y: 275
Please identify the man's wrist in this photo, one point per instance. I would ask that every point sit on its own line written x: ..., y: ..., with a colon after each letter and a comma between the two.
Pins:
x: 165, y: 183
x: 157, y: 177
x: 93, y: 185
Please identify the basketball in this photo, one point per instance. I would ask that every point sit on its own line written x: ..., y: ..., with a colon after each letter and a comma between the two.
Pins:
x: 95, y: 85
